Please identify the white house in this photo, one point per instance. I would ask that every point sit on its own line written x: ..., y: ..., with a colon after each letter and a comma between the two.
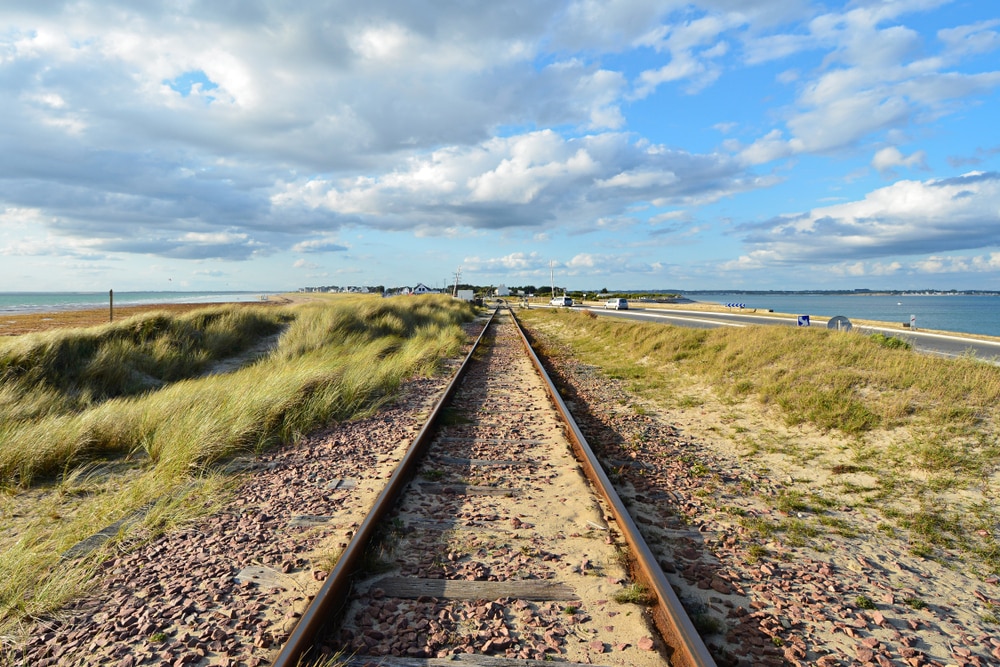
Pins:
x: 502, y: 290
x: 421, y: 288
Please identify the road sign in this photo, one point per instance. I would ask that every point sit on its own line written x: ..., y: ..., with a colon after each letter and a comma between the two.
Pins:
x: 803, y: 320
x: 840, y: 323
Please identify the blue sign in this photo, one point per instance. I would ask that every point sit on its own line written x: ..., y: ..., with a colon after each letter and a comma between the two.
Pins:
x: 803, y: 320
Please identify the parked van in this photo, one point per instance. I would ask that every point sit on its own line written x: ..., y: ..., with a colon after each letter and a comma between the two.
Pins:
x: 561, y: 301
x: 617, y: 304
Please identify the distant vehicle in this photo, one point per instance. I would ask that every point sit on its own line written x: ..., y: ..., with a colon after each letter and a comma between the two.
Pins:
x: 617, y: 304
x: 561, y: 301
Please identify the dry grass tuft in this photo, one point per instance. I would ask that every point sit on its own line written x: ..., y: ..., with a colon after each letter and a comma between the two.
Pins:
x: 99, y: 422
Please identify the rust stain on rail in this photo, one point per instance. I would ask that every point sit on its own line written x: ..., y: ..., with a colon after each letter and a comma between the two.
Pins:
x: 668, y: 614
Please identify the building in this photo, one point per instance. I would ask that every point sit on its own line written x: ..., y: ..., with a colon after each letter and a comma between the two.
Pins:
x: 421, y: 288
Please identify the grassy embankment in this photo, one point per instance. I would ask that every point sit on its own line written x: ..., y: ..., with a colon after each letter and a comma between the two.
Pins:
x: 97, y: 423
x: 921, y: 433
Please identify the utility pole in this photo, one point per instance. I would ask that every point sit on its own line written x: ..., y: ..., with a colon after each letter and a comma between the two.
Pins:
x: 458, y: 276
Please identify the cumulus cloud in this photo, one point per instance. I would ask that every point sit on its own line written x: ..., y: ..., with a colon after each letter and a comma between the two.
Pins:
x: 875, y: 77
x: 130, y: 119
x: 221, y: 131
x: 319, y: 245
x: 959, y: 264
x: 866, y: 269
x: 887, y: 159
x: 905, y: 218
x: 528, y: 180
x: 533, y: 267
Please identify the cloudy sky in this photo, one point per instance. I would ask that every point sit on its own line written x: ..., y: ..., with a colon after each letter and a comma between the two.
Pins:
x: 627, y: 144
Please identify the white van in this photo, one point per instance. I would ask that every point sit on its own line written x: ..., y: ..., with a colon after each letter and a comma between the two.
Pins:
x: 561, y: 301
x: 617, y: 304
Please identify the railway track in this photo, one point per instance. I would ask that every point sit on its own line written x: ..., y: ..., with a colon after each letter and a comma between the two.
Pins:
x: 497, y: 541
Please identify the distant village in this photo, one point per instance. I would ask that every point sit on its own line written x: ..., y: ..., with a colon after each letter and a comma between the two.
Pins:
x: 462, y: 291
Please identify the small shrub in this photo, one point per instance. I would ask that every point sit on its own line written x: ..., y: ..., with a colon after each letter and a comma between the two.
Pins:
x: 634, y: 594
x: 755, y: 552
x: 864, y: 602
x: 889, y: 342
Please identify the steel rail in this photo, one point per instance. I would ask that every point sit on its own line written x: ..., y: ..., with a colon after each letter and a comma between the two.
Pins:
x: 688, y: 649
x: 332, y: 596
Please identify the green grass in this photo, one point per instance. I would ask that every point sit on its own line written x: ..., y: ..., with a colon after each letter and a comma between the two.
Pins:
x: 755, y: 552
x: 923, y: 431
x: 79, y: 409
x: 864, y: 602
x: 634, y: 594
x: 848, y: 383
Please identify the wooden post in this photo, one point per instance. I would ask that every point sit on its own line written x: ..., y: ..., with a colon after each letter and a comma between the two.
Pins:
x: 111, y: 305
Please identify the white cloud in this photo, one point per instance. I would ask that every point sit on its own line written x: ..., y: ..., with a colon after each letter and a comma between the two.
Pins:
x: 958, y: 264
x: 514, y: 263
x: 866, y: 269
x: 210, y: 131
x: 888, y: 158
x: 971, y: 39
x: 318, y: 245
x: 533, y: 179
x: 768, y: 148
x: 905, y: 218
x: 303, y: 264
x: 875, y: 77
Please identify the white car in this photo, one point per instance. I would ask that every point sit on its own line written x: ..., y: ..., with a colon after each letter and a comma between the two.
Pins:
x: 617, y: 304
x: 561, y: 301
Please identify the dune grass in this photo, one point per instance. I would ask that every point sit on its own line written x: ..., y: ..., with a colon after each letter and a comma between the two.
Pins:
x: 926, y: 429
x: 850, y: 383
x: 96, y: 423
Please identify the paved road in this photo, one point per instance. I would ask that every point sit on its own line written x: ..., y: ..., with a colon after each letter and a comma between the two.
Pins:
x: 948, y: 345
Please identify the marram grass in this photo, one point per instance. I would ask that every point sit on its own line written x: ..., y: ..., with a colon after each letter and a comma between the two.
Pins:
x: 835, y: 381
x: 127, y: 394
x: 925, y: 429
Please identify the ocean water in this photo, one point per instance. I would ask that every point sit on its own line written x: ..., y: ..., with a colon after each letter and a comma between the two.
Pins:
x: 963, y: 313
x: 34, y: 302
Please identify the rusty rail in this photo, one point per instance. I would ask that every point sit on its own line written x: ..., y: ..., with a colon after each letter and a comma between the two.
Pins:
x: 331, y: 598
x: 688, y: 649
x: 686, y: 646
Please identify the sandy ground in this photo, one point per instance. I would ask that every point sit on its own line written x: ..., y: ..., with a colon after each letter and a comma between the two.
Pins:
x: 22, y: 323
x: 540, y: 521
x: 848, y: 593
x: 828, y: 585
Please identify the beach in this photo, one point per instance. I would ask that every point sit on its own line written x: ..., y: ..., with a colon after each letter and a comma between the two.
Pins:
x: 14, y: 324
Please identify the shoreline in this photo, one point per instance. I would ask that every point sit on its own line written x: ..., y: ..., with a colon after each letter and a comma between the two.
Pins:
x: 35, y: 321
x: 127, y: 300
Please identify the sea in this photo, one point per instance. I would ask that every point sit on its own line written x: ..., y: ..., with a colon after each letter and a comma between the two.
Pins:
x: 37, y: 302
x: 961, y: 313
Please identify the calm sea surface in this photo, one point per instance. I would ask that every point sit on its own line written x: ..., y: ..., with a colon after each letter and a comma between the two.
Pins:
x: 960, y: 313
x: 34, y: 302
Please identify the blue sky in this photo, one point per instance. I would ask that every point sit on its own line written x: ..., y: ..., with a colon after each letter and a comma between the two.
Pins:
x: 749, y: 144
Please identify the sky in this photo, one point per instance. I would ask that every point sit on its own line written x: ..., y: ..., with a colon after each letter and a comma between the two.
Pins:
x: 620, y: 144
